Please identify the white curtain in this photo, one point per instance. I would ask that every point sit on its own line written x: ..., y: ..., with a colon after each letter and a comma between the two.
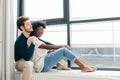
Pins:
x: 7, y: 38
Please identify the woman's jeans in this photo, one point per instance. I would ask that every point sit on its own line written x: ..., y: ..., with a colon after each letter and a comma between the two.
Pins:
x: 54, y: 57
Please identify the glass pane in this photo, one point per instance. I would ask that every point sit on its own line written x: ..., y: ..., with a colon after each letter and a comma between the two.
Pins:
x: 43, y: 9
x: 92, y: 37
x: 92, y: 9
x: 99, y: 33
x: 56, y: 34
x: 98, y: 43
x: 100, y: 57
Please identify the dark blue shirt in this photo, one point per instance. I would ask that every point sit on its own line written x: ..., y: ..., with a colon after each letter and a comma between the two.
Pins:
x: 21, y: 49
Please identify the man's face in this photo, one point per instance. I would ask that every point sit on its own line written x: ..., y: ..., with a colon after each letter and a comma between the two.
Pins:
x: 28, y: 26
x: 39, y: 31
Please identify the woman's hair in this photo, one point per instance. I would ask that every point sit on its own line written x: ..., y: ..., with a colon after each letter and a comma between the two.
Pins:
x: 37, y: 24
x: 20, y: 21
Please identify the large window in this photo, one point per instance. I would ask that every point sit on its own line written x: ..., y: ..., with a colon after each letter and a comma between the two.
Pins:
x: 90, y: 27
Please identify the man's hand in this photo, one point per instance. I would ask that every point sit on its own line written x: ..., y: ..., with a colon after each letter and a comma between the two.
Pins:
x: 33, y: 39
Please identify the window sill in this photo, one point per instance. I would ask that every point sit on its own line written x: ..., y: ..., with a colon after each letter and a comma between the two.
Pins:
x: 73, y: 75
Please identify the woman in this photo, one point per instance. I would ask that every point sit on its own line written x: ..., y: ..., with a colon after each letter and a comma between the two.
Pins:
x: 46, y: 56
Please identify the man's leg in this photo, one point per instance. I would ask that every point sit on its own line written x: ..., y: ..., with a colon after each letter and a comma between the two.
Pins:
x: 26, y: 67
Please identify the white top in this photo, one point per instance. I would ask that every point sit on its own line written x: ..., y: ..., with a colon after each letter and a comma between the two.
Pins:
x: 38, y: 55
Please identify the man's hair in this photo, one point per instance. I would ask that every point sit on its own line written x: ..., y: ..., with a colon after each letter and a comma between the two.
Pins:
x: 20, y: 21
x: 37, y: 24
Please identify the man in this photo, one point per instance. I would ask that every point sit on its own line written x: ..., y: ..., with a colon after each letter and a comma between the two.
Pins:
x: 22, y: 53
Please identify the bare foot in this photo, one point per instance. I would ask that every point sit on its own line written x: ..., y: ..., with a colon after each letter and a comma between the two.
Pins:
x: 94, y: 68
x: 89, y: 69
x: 62, y: 67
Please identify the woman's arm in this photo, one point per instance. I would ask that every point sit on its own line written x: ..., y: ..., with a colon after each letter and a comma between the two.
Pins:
x: 44, y: 46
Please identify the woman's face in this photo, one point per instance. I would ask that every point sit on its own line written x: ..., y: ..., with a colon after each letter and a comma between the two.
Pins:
x: 39, y: 31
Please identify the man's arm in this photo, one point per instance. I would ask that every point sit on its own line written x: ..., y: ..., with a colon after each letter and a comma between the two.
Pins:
x: 24, y: 51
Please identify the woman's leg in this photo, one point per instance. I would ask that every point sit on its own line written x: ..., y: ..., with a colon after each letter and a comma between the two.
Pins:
x: 84, y: 67
x: 54, y: 57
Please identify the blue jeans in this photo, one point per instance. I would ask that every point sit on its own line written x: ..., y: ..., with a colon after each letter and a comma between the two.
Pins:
x: 53, y: 58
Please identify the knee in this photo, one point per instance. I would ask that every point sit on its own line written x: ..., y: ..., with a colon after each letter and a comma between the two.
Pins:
x: 28, y: 64
x: 64, y: 49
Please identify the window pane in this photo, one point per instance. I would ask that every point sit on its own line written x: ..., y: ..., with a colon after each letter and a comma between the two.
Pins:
x: 99, y: 33
x: 100, y: 57
x: 56, y: 34
x: 92, y: 9
x: 97, y: 43
x: 43, y: 9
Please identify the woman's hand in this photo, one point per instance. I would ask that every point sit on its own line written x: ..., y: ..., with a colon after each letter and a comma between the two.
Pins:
x: 51, y: 50
x: 67, y: 46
